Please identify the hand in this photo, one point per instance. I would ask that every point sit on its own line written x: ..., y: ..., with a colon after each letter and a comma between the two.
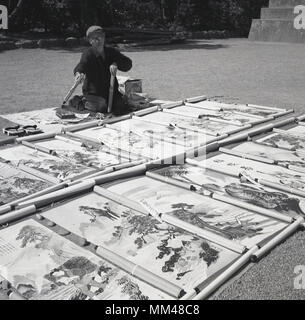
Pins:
x: 79, y: 77
x: 113, y: 69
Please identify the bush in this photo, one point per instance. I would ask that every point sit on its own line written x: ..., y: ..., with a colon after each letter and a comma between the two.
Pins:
x: 74, y: 16
x: 232, y: 15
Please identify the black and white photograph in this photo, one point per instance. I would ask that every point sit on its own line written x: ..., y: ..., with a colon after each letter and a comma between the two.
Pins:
x: 152, y: 153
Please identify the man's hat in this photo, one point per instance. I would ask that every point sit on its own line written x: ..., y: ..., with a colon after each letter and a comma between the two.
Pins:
x: 94, y: 29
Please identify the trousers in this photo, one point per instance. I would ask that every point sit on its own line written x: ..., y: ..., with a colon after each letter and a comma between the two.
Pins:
x: 99, y: 104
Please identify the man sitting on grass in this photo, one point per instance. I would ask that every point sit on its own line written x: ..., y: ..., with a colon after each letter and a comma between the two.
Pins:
x: 96, y: 66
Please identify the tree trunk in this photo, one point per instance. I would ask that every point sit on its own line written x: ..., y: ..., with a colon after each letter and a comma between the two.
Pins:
x: 17, y: 9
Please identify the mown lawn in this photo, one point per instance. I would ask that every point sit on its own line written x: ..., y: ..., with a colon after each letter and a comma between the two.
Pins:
x: 233, y: 70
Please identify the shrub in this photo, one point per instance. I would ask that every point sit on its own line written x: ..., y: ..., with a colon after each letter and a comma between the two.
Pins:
x: 74, y: 16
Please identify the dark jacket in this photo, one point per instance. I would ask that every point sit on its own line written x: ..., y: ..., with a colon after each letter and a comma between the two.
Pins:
x: 97, y: 70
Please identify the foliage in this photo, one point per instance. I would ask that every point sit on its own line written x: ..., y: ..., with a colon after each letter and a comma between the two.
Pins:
x: 173, y: 253
x: 142, y: 226
x: 131, y: 289
x: 74, y: 16
x: 208, y: 254
x: 15, y: 187
x: 95, y: 213
x: 30, y: 234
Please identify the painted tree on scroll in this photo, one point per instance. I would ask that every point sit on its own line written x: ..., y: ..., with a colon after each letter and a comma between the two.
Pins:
x: 139, y: 225
x: 173, y: 253
x: 15, y: 187
x: 56, y: 168
x: 177, y: 255
x: 95, y: 213
x: 181, y: 172
x: 27, y: 183
x: 131, y: 289
x: 143, y: 226
x: 30, y: 234
x: 208, y: 254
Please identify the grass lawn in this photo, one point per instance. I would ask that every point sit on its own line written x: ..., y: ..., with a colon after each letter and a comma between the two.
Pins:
x: 233, y: 70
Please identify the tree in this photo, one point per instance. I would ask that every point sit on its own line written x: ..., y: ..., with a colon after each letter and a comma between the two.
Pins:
x: 65, y: 16
x: 17, y: 9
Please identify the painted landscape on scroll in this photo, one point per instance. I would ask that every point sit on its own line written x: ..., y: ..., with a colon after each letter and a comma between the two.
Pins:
x: 255, y: 169
x: 223, y: 115
x: 171, y: 253
x: 133, y: 143
x: 245, y: 191
x: 230, y: 222
x: 209, y: 126
x: 261, y: 111
x: 42, y: 162
x: 281, y: 156
x: 83, y: 155
x: 298, y: 130
x: 171, y: 134
x: 48, y: 116
x: 45, y: 119
x: 44, y: 266
x: 15, y: 184
x: 284, y: 140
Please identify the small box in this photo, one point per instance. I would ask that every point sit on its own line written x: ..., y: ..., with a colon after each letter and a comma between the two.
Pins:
x: 128, y: 85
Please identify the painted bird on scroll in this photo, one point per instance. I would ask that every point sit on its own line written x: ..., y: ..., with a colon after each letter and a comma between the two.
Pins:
x: 269, y: 200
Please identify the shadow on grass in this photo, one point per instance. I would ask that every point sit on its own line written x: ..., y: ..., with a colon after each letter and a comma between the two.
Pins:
x: 206, y: 46
x: 164, y: 47
x: 189, y: 45
x: 63, y: 49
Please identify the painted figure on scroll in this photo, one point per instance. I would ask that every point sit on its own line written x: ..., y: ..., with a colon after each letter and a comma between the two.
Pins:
x: 97, y: 67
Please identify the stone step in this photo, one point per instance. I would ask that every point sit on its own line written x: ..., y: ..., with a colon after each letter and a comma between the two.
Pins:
x: 275, y: 31
x: 278, y: 13
x: 285, y: 3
